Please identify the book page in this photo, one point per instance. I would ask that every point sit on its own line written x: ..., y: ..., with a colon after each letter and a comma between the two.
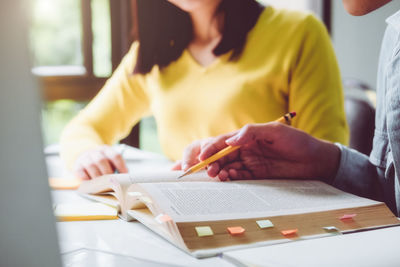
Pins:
x: 168, y: 176
x: 117, y: 185
x: 200, y: 201
x: 104, y: 183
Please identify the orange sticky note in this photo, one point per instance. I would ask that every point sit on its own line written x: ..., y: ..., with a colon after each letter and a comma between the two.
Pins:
x: 161, y: 218
x: 348, y: 216
x: 236, y: 230
x: 289, y: 232
x: 64, y: 183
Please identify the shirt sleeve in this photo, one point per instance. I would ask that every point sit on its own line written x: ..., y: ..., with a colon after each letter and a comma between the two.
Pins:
x: 392, y: 110
x: 357, y: 175
x: 316, y: 92
x: 110, y: 116
x: 378, y: 176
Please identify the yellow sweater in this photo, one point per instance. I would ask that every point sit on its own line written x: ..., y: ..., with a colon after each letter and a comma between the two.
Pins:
x: 288, y: 64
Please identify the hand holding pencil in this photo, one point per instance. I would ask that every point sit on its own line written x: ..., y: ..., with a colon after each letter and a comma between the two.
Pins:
x: 229, y: 149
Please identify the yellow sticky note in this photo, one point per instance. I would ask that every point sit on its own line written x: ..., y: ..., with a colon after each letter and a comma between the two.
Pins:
x: 204, y: 231
x: 85, y: 211
x: 265, y: 224
x: 236, y: 230
x: 289, y: 232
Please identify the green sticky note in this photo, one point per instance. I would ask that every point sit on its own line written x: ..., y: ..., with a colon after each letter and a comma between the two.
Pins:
x: 265, y: 224
x: 204, y: 231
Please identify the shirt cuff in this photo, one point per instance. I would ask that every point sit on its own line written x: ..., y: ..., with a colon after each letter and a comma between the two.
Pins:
x: 353, y: 171
x: 342, y: 168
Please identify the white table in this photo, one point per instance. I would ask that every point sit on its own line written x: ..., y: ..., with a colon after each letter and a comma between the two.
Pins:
x: 119, y: 238
x: 366, y: 249
x: 119, y: 243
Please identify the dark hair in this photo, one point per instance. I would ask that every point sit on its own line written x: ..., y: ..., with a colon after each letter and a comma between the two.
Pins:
x: 164, y: 30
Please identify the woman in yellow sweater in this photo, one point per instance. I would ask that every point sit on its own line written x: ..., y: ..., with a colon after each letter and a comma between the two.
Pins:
x: 207, y: 67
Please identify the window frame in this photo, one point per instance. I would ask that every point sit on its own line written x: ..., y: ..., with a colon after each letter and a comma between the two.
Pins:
x: 85, y: 87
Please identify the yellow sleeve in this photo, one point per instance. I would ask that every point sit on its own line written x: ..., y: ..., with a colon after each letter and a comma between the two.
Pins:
x: 110, y: 116
x: 316, y: 92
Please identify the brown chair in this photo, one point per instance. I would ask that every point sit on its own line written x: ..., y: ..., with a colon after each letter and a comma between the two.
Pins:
x: 360, y: 113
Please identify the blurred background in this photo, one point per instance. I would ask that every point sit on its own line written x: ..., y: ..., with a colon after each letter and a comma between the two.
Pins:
x: 76, y: 44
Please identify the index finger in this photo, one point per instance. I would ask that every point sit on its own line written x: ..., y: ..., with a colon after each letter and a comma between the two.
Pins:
x: 116, y: 159
x: 213, y: 145
x: 190, y: 155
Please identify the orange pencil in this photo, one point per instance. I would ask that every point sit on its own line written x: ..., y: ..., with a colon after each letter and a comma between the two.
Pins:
x: 229, y: 149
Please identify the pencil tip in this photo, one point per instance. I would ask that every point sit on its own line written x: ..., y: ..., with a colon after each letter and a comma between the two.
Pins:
x: 185, y: 173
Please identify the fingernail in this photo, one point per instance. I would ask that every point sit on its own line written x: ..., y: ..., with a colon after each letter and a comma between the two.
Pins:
x: 232, y: 139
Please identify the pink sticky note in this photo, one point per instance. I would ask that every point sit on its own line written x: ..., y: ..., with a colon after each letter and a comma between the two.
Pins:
x: 289, y: 232
x: 348, y: 216
x: 165, y: 218
x: 236, y: 230
x: 162, y: 218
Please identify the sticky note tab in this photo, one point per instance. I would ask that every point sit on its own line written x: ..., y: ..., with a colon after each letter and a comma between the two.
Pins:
x: 236, y: 230
x: 348, y: 216
x: 289, y: 232
x: 204, y: 231
x: 64, y: 183
x: 265, y: 224
x: 162, y: 218
x: 85, y: 211
x: 134, y: 194
x: 331, y: 229
x: 146, y: 199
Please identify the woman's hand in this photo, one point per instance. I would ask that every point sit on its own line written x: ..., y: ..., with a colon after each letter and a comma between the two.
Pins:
x: 192, y: 153
x: 270, y: 150
x: 99, y: 161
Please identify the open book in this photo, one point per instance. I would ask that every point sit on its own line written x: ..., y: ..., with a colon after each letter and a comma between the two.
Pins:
x: 205, y: 217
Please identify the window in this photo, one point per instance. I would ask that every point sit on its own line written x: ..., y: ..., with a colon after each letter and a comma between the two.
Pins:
x: 56, y: 37
x: 75, y: 46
